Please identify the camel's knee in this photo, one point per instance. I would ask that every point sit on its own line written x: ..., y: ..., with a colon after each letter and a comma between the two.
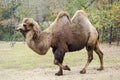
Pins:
x: 56, y: 62
x: 58, y: 59
x: 90, y: 59
x: 90, y: 47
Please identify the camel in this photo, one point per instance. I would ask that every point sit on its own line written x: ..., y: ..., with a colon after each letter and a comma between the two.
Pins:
x: 63, y: 35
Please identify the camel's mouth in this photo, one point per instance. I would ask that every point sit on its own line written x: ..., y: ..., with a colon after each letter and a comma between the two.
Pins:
x: 20, y: 30
x: 17, y: 29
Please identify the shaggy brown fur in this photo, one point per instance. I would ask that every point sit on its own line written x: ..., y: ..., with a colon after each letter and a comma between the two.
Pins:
x: 63, y: 35
x: 39, y: 41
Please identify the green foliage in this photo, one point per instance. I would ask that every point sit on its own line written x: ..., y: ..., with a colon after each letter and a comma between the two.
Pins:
x: 8, y: 30
x: 44, y: 25
x: 105, y: 17
x: 23, y: 12
x: 1, y: 10
x: 10, y: 11
x: 73, y: 5
x: 115, y: 13
x: 110, y: 14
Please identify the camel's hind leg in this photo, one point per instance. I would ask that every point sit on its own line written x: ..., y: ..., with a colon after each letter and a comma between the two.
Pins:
x: 100, y: 54
x: 90, y: 58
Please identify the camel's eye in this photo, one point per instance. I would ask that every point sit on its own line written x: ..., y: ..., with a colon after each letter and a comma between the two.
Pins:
x: 31, y: 24
x: 24, y: 25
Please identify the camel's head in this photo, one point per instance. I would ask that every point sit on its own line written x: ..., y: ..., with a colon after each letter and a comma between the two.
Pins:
x: 28, y: 24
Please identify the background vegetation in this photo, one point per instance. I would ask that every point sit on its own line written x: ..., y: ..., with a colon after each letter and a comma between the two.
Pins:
x: 102, y: 13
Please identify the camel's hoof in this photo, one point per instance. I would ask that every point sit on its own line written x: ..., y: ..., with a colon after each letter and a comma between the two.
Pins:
x: 100, y: 69
x: 58, y: 74
x: 66, y: 68
x: 83, y: 71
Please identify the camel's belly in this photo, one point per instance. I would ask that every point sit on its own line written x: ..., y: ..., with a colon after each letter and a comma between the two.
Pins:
x: 75, y: 47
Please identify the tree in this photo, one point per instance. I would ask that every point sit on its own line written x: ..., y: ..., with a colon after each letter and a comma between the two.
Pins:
x: 7, y: 15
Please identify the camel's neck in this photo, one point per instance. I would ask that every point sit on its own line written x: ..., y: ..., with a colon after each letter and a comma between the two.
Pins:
x: 40, y: 43
x: 29, y: 36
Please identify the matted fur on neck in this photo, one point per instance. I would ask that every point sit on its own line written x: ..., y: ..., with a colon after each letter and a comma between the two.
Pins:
x: 40, y: 45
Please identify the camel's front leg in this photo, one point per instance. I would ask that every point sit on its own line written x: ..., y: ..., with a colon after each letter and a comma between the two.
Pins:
x: 58, y: 60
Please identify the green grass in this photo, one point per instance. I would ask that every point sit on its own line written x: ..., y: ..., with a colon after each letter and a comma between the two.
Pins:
x: 21, y: 57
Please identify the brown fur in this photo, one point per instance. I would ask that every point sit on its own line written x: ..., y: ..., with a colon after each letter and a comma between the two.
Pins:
x: 63, y: 35
x: 39, y: 41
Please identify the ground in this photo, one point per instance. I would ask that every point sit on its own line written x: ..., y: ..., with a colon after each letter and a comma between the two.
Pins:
x: 17, y: 64
x: 110, y: 73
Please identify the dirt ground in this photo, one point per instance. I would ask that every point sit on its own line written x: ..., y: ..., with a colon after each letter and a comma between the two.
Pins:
x: 110, y: 72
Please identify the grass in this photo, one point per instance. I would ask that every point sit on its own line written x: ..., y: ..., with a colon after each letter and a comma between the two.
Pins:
x: 21, y: 57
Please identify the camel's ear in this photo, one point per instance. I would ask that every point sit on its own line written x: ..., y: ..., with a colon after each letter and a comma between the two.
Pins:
x: 33, y: 27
